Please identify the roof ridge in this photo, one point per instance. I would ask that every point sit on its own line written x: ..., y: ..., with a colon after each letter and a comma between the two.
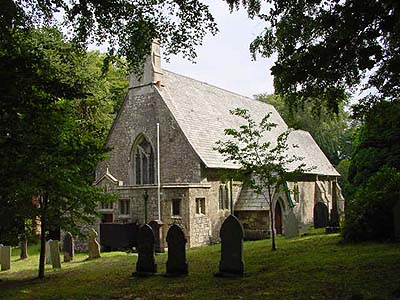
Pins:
x: 217, y: 87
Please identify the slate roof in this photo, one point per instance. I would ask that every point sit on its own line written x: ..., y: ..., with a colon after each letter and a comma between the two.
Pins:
x: 202, y: 112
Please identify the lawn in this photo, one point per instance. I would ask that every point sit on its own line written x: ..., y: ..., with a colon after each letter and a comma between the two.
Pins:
x: 315, y: 266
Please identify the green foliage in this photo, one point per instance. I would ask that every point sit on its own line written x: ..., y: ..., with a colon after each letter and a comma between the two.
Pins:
x: 369, y: 215
x: 326, y: 47
x: 332, y: 132
x: 54, y: 119
x: 263, y: 164
x: 127, y: 26
x: 377, y: 143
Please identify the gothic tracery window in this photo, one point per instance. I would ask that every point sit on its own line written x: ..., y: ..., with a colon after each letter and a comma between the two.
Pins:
x: 143, y: 161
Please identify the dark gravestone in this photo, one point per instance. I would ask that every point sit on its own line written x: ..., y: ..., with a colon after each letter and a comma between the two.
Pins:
x: 396, y: 220
x: 231, y: 234
x: 176, y: 264
x: 320, y: 215
x: 156, y: 226
x: 145, y: 265
x: 68, y: 247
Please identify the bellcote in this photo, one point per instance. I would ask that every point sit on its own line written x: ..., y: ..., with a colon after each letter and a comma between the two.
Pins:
x: 152, y: 72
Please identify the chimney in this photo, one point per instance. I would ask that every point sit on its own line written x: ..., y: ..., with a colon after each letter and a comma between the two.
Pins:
x: 152, y: 72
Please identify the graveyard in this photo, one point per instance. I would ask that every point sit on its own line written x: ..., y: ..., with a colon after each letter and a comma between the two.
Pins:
x: 313, y: 266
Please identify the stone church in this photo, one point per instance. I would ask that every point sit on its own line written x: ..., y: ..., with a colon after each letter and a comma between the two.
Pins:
x: 163, y: 166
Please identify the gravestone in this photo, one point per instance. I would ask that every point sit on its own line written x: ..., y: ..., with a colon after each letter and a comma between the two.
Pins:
x: 231, y: 234
x: 320, y: 215
x: 55, y: 254
x: 145, y: 265
x: 5, y: 258
x: 156, y: 226
x: 176, y: 263
x: 68, y: 247
x: 291, y: 225
x: 93, y: 245
x: 396, y: 220
x: 48, y: 253
x: 1, y: 247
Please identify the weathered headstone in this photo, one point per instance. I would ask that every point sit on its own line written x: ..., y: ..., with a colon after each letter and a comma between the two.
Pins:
x: 291, y: 225
x: 176, y: 263
x: 93, y: 245
x: 48, y: 253
x: 5, y: 258
x: 1, y: 247
x: 145, y: 265
x: 55, y: 254
x: 396, y: 220
x: 68, y: 247
x: 320, y: 215
x: 231, y: 234
x: 156, y: 226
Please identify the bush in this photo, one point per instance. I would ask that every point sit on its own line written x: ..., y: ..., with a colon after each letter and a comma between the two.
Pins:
x: 369, y: 215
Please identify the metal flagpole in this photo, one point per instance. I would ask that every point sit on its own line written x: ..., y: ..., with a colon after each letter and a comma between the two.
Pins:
x: 158, y: 173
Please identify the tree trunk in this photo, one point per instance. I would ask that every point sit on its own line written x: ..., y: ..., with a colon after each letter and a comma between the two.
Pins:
x: 24, y: 249
x: 272, y: 227
x: 43, y: 225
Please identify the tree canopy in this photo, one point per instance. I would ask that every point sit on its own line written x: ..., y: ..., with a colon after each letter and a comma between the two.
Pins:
x: 127, y: 26
x: 326, y: 48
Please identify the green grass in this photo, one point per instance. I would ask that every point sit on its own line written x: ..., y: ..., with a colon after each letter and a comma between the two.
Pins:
x: 315, y: 266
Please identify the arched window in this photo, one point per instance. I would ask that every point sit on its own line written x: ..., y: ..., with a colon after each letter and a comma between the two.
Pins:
x: 143, y: 161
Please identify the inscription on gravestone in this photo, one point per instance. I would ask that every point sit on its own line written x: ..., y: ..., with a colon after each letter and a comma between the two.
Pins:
x: 93, y: 245
x: 231, y: 234
x: 48, y: 253
x: 5, y: 258
x: 176, y: 264
x: 68, y: 247
x: 55, y: 254
x: 145, y: 265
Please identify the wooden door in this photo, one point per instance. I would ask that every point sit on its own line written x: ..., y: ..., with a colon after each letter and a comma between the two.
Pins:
x: 278, y: 218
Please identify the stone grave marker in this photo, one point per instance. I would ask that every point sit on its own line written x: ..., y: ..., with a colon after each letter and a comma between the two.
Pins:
x: 291, y: 225
x: 5, y: 258
x: 93, y: 245
x: 55, y: 254
x: 145, y: 265
x: 48, y: 253
x: 320, y: 215
x: 396, y: 220
x: 176, y: 263
x: 1, y: 247
x: 231, y: 234
x: 156, y: 226
x: 68, y: 247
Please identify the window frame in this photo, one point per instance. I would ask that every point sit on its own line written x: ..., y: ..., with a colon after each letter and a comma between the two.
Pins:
x: 179, y: 202
x: 200, y: 205
x: 124, y: 209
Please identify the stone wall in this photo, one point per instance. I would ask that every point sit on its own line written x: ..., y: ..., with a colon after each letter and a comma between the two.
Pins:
x: 140, y: 113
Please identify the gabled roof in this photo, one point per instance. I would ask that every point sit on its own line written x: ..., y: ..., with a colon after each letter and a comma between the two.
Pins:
x: 202, y: 112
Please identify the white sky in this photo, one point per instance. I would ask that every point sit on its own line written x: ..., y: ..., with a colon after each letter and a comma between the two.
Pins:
x: 224, y: 59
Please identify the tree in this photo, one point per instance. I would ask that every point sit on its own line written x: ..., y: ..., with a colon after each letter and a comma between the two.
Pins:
x: 52, y: 131
x: 263, y: 165
x: 326, y: 48
x: 127, y: 26
x: 332, y: 132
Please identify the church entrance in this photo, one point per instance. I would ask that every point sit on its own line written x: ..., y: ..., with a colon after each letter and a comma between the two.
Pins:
x: 278, y: 218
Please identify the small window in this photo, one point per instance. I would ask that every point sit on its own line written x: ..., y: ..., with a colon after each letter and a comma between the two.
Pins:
x: 201, y: 206
x: 106, y: 205
x: 223, y: 196
x: 124, y: 207
x: 176, y: 207
x: 296, y: 192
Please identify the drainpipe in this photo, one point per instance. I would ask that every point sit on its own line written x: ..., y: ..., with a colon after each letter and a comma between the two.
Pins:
x: 158, y: 173
x: 231, y: 195
x: 146, y: 198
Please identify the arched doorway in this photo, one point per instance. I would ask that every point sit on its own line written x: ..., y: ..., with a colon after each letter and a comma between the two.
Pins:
x: 278, y: 218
